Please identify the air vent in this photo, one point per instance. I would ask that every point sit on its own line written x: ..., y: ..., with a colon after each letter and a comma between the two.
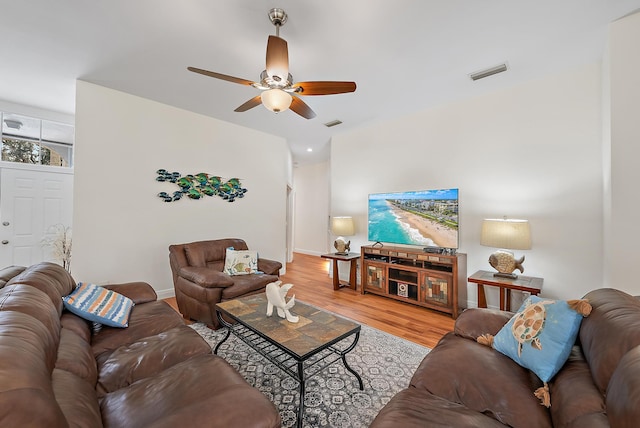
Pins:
x: 488, y: 72
x: 333, y: 123
x: 13, y: 124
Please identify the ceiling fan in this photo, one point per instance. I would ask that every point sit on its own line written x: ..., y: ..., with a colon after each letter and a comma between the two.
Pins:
x: 279, y: 93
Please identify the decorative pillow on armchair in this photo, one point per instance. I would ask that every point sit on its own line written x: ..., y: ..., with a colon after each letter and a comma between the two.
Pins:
x: 241, y: 262
x: 99, y: 304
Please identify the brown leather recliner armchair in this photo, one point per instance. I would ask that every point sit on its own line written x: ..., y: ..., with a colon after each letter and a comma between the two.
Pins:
x: 200, y: 283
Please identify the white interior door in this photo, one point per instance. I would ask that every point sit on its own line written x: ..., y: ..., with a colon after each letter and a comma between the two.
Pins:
x: 31, y: 203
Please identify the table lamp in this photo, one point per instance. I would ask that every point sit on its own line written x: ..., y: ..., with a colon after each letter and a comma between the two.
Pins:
x: 506, y: 234
x: 342, y: 226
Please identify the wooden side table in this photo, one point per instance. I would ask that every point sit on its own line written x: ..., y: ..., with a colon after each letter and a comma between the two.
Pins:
x: 351, y: 257
x: 529, y: 284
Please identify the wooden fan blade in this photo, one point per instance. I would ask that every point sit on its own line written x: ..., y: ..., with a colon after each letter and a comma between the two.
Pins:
x: 255, y: 101
x: 300, y: 107
x: 277, y: 57
x: 324, y: 88
x: 221, y: 76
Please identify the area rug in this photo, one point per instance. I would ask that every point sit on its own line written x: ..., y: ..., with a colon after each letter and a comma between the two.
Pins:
x: 332, y: 397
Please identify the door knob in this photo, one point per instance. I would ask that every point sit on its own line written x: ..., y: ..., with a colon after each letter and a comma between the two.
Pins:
x: 5, y: 223
x: 5, y: 242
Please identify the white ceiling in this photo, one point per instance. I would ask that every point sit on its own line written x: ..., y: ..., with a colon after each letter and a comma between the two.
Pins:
x: 404, y: 55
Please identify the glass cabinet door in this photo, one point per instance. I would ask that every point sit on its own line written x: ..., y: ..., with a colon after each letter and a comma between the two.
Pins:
x: 375, y: 277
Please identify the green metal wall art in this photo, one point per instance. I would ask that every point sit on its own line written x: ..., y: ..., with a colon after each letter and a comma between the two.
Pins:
x: 199, y: 185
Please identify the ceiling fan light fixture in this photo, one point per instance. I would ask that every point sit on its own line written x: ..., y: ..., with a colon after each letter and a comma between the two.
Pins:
x: 276, y: 82
x: 276, y: 100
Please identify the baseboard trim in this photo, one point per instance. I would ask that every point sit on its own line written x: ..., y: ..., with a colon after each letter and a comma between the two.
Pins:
x: 166, y: 293
x: 308, y: 252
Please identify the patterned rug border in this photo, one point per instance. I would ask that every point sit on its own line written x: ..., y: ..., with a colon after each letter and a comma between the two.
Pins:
x: 385, y: 362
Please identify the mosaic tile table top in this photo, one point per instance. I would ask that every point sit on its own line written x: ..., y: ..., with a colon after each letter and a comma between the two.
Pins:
x: 315, y: 329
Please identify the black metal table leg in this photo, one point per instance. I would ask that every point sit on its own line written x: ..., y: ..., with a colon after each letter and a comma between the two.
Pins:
x: 318, y: 355
x: 228, y: 326
x: 347, y: 366
x: 301, y: 406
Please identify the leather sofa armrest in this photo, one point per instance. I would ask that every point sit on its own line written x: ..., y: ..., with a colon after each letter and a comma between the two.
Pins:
x: 270, y: 267
x: 205, y: 277
x: 475, y: 322
x: 139, y: 292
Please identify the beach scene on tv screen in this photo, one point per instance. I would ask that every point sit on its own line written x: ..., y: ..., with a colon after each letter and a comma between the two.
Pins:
x: 425, y: 218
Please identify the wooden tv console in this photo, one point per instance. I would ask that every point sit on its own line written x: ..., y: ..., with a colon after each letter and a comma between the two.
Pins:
x: 433, y: 280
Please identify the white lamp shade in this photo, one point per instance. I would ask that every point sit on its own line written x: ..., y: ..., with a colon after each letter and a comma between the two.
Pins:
x: 276, y: 100
x: 342, y: 226
x: 509, y: 234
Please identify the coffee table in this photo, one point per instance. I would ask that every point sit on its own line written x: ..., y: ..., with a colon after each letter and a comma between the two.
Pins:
x: 301, y: 349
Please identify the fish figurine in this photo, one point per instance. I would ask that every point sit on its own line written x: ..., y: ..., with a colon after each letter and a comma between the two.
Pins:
x: 504, y: 262
x: 342, y: 246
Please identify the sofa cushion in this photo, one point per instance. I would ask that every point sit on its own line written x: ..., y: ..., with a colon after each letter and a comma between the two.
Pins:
x: 202, y: 391
x: 75, y: 356
x: 147, y: 357
x: 242, y: 262
x: 576, y: 400
x: 247, y: 284
x: 99, y: 304
x: 205, y: 276
x: 417, y: 408
x: 78, y: 325
x: 482, y: 379
x: 540, y: 335
x: 77, y: 399
x: 146, y: 320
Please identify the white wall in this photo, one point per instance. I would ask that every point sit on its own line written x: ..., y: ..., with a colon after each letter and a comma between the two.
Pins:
x: 533, y: 151
x: 122, y: 230
x: 311, y: 183
x: 624, y: 139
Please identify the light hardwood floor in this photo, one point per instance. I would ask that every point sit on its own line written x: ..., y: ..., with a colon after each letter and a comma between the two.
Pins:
x: 312, y: 285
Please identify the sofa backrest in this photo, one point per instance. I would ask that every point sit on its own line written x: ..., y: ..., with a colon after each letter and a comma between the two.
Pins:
x: 29, y: 339
x: 204, y: 253
x: 50, y: 278
x: 609, y: 332
x: 9, y: 272
x: 49, y: 373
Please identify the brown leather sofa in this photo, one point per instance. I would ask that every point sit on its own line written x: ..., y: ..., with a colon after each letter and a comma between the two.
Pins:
x: 461, y: 383
x: 200, y: 283
x: 56, y: 372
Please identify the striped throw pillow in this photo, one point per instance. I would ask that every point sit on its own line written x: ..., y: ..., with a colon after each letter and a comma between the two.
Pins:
x: 95, y: 303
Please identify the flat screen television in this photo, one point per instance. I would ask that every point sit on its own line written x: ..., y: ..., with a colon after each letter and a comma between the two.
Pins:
x: 426, y: 218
